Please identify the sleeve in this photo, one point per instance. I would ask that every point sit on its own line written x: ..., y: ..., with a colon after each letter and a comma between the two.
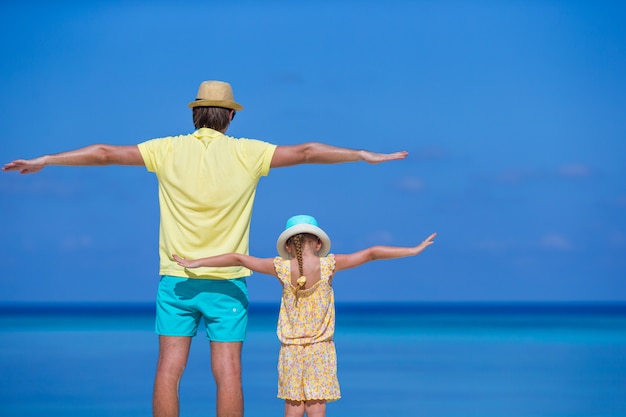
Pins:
x: 261, y: 152
x: 151, y: 152
x: 280, y: 266
x: 328, y: 266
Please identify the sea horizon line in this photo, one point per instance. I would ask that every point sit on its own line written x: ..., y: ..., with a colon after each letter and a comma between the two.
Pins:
x: 469, y: 307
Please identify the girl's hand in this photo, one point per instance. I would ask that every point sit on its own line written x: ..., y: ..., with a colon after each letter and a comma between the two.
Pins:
x: 425, y: 243
x: 185, y: 263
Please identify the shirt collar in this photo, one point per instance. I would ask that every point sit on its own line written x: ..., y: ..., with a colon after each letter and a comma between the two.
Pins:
x: 205, y: 132
x: 207, y: 135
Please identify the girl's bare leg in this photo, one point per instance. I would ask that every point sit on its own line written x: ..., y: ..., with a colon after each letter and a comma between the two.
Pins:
x: 294, y: 408
x: 315, y: 408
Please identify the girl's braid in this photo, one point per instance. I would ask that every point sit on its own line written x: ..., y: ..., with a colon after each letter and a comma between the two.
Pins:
x: 297, y: 242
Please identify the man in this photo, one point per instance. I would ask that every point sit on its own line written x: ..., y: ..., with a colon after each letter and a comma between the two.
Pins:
x: 207, y: 184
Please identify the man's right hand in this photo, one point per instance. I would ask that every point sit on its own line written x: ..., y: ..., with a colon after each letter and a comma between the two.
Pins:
x: 92, y: 155
x: 25, y: 166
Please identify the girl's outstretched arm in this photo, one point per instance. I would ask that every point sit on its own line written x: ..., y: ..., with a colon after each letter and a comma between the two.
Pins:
x: 260, y: 265
x: 376, y: 253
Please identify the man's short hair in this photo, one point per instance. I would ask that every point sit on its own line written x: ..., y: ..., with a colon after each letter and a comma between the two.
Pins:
x: 216, y: 118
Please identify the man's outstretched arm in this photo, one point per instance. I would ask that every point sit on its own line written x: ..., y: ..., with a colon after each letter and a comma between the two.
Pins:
x: 319, y: 153
x: 91, y: 155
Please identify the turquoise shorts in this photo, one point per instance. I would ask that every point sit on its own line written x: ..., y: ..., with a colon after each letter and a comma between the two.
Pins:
x: 223, y: 304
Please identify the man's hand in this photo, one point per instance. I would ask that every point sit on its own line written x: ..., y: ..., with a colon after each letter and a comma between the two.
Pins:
x: 25, y: 166
x: 320, y: 153
x: 92, y: 155
x: 376, y: 158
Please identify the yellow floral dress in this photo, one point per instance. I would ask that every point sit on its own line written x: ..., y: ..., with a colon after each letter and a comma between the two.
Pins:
x: 307, y: 363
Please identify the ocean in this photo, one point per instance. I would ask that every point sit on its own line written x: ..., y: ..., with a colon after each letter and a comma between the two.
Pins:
x: 435, y: 360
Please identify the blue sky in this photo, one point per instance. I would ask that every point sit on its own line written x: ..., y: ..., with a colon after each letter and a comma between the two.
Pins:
x: 513, y: 114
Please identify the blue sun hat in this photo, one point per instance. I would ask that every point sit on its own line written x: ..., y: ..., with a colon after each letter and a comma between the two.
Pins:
x: 302, y: 223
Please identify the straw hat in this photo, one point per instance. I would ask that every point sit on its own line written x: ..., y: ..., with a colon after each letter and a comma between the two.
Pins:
x: 216, y: 94
x: 302, y: 224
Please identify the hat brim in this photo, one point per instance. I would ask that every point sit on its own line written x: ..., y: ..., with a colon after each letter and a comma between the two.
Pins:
x: 302, y: 228
x: 216, y: 103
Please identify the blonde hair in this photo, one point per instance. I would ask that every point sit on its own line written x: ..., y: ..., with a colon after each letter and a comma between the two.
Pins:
x: 298, y: 241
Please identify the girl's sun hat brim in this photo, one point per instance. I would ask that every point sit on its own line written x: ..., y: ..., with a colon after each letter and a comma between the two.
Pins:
x: 309, y: 227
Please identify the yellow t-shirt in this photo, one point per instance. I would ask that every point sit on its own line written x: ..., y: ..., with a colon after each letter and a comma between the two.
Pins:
x: 207, y: 184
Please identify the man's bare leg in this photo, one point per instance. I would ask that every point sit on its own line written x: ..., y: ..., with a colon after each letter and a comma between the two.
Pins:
x: 173, y: 354
x: 226, y: 365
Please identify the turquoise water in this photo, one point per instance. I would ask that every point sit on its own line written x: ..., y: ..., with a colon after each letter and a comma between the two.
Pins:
x: 409, y: 360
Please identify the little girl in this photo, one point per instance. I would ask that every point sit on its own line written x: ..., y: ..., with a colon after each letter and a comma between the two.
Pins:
x: 307, y: 363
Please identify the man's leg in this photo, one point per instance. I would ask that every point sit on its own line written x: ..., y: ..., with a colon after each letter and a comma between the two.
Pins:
x: 226, y: 365
x: 173, y: 354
